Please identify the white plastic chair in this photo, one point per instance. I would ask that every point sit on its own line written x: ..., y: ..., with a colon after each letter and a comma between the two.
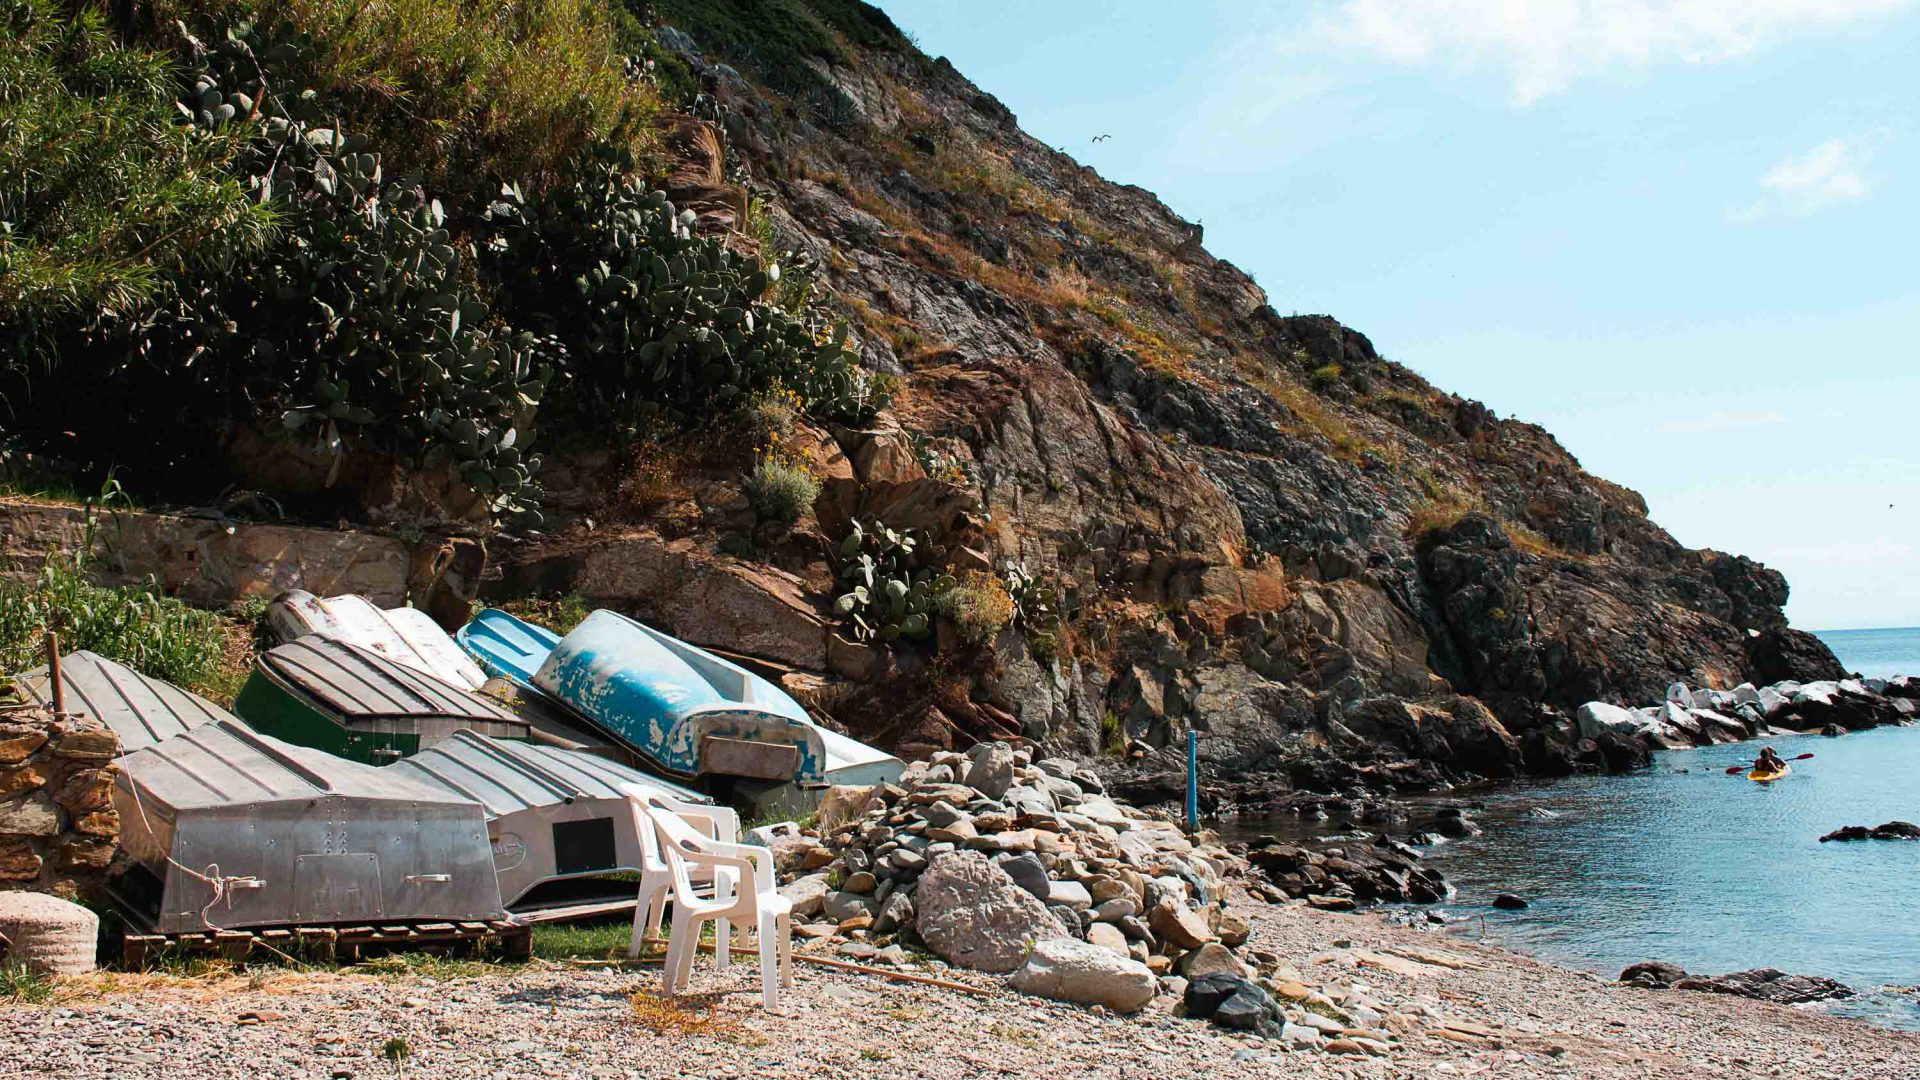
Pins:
x: 754, y: 902
x: 656, y: 879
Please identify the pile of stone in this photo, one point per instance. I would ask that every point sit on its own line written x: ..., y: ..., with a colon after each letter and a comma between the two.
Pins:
x: 996, y: 862
x: 1339, y: 878
x: 1761, y: 984
x: 1698, y: 717
x: 58, y: 828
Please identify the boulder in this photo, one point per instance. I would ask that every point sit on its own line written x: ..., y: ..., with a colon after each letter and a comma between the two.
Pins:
x: 1087, y: 974
x: 1175, y: 922
x: 1653, y: 974
x: 991, y: 769
x: 807, y: 894
x: 1028, y: 872
x: 1108, y: 936
x: 1211, y: 959
x: 1069, y: 894
x: 1892, y: 830
x: 971, y: 913
x: 841, y: 804
x: 1597, y: 716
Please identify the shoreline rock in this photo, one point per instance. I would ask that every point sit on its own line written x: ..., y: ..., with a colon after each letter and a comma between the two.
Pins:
x: 1892, y: 830
x: 1760, y: 984
x: 1700, y: 717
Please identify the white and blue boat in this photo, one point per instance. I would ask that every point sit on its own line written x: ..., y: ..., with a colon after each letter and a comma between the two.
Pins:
x: 682, y: 709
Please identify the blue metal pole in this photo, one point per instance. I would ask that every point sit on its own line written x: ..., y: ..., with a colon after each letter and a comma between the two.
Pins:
x: 1193, y: 779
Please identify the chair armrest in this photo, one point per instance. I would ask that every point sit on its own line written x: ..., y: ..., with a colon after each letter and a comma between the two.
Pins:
x: 701, y: 856
x: 754, y: 862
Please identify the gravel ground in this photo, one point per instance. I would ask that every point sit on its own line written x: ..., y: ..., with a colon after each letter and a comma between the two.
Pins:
x: 1491, y: 1014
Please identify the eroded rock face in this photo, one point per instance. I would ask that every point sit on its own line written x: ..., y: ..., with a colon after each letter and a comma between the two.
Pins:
x: 1247, y: 505
x: 973, y: 915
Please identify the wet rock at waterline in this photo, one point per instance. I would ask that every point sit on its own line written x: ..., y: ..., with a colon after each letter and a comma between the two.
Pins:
x: 1700, y: 717
x: 1761, y: 984
x: 1892, y: 830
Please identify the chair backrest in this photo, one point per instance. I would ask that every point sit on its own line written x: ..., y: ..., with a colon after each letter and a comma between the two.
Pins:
x: 644, y: 833
x: 673, y: 835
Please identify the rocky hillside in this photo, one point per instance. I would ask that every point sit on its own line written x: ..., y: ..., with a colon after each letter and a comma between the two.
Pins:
x: 1130, y: 498
x: 1262, y: 525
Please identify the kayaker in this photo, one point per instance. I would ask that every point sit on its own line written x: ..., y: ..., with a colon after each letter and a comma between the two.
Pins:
x: 1768, y: 761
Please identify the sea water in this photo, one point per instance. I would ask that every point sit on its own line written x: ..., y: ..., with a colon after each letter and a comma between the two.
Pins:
x: 1876, y: 653
x: 1684, y: 863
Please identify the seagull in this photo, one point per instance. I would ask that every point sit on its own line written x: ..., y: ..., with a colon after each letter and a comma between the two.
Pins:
x: 1101, y: 138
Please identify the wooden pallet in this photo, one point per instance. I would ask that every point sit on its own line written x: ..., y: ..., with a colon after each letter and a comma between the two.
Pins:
x: 344, y: 944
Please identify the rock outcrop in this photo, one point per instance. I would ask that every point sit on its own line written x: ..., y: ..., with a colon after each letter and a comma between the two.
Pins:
x: 1761, y: 984
x: 1265, y: 530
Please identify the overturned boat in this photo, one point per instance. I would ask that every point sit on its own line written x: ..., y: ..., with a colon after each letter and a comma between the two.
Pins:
x: 231, y: 829
x: 405, y: 635
x: 139, y: 709
x: 686, y: 711
x: 680, y: 708
x: 336, y: 696
x: 557, y: 819
x: 506, y: 647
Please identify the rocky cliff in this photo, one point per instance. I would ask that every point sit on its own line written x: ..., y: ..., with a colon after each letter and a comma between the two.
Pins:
x: 1261, y: 528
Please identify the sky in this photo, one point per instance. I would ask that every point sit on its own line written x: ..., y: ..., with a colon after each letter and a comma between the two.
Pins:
x: 1680, y: 234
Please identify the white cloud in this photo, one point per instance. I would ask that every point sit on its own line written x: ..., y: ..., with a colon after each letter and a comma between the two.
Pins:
x: 1828, y: 173
x: 1547, y: 44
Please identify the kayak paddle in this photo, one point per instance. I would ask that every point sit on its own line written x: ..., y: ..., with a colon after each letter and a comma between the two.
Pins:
x: 1738, y: 769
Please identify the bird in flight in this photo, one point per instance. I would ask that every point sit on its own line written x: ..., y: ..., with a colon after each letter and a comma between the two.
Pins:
x: 1101, y: 138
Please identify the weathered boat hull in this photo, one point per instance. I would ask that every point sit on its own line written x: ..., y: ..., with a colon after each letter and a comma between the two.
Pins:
x: 516, y: 650
x: 335, y: 696
x: 298, y: 836
x: 140, y: 710
x: 506, y: 647
x: 687, y: 715
x: 552, y: 814
x: 407, y: 636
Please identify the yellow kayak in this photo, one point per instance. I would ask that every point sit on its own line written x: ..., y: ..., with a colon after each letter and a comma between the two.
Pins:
x: 1769, y: 777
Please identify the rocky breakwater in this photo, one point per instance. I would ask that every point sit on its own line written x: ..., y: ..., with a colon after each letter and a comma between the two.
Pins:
x: 1700, y: 717
x: 998, y: 863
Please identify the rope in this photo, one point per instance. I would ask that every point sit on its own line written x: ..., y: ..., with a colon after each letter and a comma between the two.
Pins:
x: 221, y: 884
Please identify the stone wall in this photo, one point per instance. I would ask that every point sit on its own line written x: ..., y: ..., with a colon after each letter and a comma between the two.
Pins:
x: 58, y: 827
x: 210, y: 563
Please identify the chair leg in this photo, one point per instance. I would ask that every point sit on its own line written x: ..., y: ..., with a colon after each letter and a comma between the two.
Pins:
x: 681, y: 945
x: 723, y: 944
x: 769, y: 963
x: 783, y: 947
x: 648, y: 908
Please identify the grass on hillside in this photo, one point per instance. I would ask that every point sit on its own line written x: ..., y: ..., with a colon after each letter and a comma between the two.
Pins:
x: 467, y: 94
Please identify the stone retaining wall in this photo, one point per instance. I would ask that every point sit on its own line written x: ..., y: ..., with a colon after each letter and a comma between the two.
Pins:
x: 58, y: 827
x: 210, y: 563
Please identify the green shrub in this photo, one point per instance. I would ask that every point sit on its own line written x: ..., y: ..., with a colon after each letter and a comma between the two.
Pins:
x: 1325, y: 375
x: 137, y: 626
x: 102, y: 193
x: 781, y: 490
x: 656, y: 317
x: 978, y: 606
x: 461, y: 93
x: 1036, y: 609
